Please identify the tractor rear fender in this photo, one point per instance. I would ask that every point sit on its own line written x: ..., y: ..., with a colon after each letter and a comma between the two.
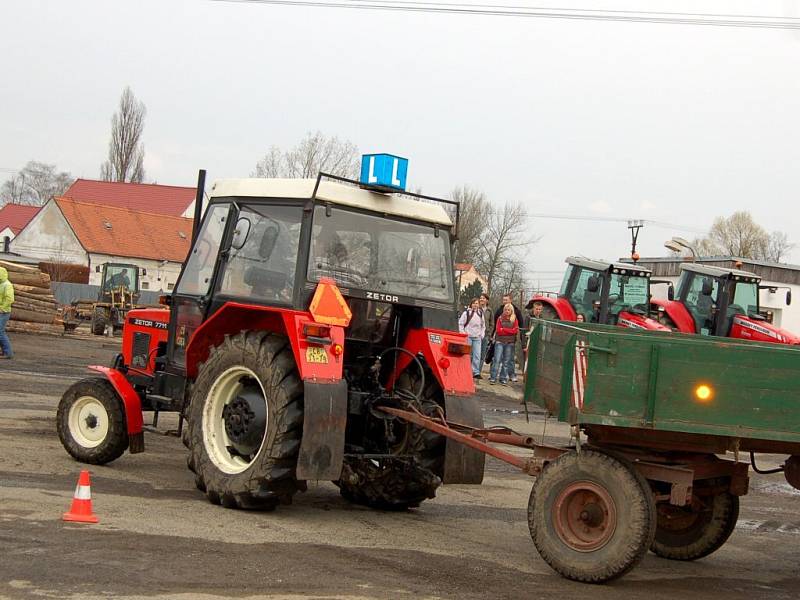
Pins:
x: 318, y: 358
x: 677, y: 312
x: 132, y: 403
x: 562, y: 307
x: 444, y: 353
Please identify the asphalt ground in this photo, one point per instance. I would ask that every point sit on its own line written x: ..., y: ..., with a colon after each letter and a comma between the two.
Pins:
x: 159, y: 537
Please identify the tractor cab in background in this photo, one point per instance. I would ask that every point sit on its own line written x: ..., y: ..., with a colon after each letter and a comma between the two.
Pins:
x: 601, y: 292
x: 720, y: 301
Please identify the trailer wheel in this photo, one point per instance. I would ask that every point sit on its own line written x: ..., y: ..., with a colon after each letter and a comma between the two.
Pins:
x: 245, y: 421
x: 692, y: 532
x: 401, y: 483
x: 91, y: 422
x: 591, y: 516
x: 99, y: 321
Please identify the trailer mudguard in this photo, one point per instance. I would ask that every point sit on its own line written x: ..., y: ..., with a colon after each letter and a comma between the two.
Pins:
x: 131, y: 402
x: 462, y: 464
x: 324, y: 422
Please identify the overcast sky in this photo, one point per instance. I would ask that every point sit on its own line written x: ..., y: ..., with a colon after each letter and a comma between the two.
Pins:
x: 673, y: 123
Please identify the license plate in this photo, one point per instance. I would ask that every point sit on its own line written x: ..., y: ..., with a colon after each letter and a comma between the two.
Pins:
x: 315, y: 354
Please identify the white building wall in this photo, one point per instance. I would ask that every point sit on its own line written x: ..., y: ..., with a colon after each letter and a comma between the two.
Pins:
x: 6, y: 233
x: 49, y: 237
x: 160, y: 275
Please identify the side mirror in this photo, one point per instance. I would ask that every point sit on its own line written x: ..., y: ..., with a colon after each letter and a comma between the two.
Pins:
x: 670, y: 292
x: 593, y: 283
x: 240, y: 233
x: 788, y: 297
x: 708, y: 287
x: 268, y: 241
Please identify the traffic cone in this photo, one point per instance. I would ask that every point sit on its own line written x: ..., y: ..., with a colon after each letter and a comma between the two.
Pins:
x: 81, y: 509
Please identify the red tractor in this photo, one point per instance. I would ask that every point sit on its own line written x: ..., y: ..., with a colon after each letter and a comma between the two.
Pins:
x: 720, y: 301
x: 303, y: 308
x: 601, y: 292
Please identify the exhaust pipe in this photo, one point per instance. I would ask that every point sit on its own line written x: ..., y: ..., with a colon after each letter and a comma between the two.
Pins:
x: 198, y: 203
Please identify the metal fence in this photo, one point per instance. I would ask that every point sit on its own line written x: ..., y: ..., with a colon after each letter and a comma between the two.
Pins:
x: 66, y: 293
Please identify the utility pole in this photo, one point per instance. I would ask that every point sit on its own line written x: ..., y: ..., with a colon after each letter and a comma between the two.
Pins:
x: 635, y: 226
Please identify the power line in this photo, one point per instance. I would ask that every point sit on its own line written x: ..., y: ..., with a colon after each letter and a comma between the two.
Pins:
x: 595, y: 218
x: 705, y: 19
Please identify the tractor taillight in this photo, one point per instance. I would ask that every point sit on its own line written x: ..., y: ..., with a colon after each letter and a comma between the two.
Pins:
x: 337, y: 349
x: 456, y: 348
x: 444, y: 363
x: 317, y: 334
x: 316, y: 330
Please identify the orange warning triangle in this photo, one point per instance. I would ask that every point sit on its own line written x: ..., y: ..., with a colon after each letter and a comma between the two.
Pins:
x: 328, y: 305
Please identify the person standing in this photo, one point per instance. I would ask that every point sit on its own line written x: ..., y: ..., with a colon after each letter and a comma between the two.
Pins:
x: 506, y: 332
x: 483, y: 303
x: 507, y: 299
x: 6, y: 300
x: 472, y: 323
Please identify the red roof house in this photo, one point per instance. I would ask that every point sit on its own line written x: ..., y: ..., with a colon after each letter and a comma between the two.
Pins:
x: 115, y: 231
x: 173, y: 200
x: 13, y: 217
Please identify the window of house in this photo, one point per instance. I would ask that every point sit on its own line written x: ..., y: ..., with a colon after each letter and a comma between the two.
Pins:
x: 170, y: 286
x: 145, y: 285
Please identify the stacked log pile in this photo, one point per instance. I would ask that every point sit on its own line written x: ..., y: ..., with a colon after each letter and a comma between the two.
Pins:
x: 35, y: 309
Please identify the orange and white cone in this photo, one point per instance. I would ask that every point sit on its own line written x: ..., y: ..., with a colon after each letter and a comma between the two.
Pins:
x: 81, y: 509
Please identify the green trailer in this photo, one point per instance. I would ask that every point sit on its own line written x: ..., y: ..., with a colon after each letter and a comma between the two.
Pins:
x: 664, y: 432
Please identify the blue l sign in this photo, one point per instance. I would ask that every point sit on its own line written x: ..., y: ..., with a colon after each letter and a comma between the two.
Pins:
x: 384, y: 170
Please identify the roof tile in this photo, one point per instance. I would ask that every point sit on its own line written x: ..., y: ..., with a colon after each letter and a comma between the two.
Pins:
x: 16, y: 216
x: 125, y: 232
x: 164, y: 199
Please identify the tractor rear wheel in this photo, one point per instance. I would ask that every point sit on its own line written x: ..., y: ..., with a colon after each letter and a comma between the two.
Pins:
x: 99, y: 321
x: 91, y: 422
x: 591, y: 516
x: 401, y: 483
x: 245, y: 422
x: 695, y: 531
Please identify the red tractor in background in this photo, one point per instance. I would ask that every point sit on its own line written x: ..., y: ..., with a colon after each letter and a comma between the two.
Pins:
x: 602, y: 292
x: 720, y: 301
x: 304, y: 307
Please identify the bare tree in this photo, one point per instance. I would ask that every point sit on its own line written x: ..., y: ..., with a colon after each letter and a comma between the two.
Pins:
x: 313, y: 154
x: 739, y: 235
x: 778, y: 246
x: 125, y: 149
x: 35, y: 184
x: 473, y: 216
x: 503, y: 243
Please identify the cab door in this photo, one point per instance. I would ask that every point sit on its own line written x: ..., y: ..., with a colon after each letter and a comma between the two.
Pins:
x: 196, y: 282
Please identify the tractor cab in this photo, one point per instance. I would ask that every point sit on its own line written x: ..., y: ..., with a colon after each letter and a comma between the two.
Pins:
x: 601, y: 292
x: 721, y: 301
x: 118, y: 294
x: 304, y: 308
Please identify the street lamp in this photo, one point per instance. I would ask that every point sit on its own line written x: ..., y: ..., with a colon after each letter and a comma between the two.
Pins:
x: 678, y: 244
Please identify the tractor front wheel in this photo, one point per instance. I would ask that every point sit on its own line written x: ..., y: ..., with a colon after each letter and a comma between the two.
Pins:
x: 694, y: 531
x: 91, y: 422
x: 245, y: 421
x: 591, y: 516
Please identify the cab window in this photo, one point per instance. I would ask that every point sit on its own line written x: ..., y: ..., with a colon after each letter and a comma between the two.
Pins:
x: 263, y: 255
x: 199, y: 268
x: 699, y: 304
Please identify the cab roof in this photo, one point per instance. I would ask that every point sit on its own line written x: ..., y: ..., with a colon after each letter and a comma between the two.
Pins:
x: 718, y: 271
x: 601, y: 265
x: 335, y: 193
